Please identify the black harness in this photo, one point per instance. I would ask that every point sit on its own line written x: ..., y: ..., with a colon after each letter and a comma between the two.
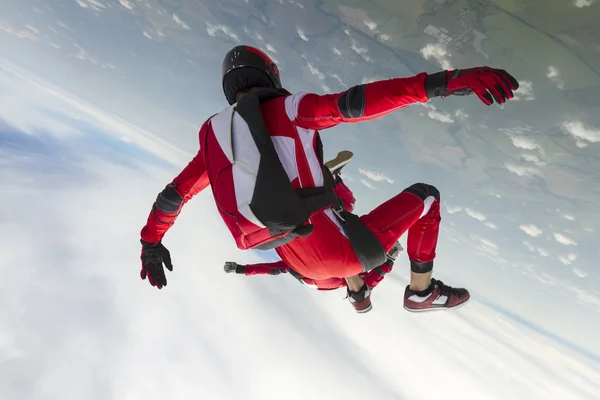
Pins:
x: 284, y: 210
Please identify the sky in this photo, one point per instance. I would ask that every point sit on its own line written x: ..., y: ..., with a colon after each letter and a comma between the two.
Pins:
x: 100, y: 103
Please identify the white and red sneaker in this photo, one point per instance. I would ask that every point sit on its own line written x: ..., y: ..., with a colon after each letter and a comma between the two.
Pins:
x: 361, y: 300
x: 342, y: 159
x: 437, y: 296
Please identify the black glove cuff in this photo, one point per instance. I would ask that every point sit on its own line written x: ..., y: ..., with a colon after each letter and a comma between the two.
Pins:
x: 239, y: 269
x: 435, y: 84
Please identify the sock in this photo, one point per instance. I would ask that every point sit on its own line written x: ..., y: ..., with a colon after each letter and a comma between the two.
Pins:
x: 425, y: 292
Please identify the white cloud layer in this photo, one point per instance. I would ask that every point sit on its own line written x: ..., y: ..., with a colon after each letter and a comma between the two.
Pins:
x: 562, y: 239
x: 439, y: 53
x: 525, y: 91
x: 375, y: 176
x: 583, y: 3
x: 475, y: 214
x: 582, y: 132
x: 531, y: 230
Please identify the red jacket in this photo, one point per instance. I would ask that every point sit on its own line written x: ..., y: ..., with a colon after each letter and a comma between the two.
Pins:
x: 326, y: 252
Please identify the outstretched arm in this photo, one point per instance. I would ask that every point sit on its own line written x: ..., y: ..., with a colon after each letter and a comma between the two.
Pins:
x: 359, y: 103
x: 375, y: 99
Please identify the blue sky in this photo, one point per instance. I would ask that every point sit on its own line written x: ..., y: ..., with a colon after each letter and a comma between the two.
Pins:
x: 93, y: 126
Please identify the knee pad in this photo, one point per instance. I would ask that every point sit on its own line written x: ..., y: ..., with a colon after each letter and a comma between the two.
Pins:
x: 421, y: 267
x: 423, y: 191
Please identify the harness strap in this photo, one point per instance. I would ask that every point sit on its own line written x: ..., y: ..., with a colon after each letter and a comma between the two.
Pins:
x: 295, y: 205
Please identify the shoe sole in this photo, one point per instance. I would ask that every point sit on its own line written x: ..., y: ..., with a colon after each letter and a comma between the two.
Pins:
x: 340, y: 160
x: 419, y: 310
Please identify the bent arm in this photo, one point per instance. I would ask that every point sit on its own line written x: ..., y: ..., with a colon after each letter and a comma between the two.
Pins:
x: 376, y: 275
x: 359, y: 103
x: 191, y: 181
x: 263, y: 268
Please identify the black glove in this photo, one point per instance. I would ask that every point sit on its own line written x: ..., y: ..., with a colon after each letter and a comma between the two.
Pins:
x: 487, y: 83
x: 153, y: 256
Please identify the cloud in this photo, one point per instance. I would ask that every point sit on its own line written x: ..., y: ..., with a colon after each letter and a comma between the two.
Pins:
x: 461, y: 114
x: 475, y: 214
x: 180, y: 22
x: 93, y: 4
x: 375, y: 176
x: 439, y: 53
x: 523, y: 142
x: 127, y: 4
x: 367, y: 184
x: 213, y: 30
x: 560, y: 238
x: 452, y: 209
x: 522, y: 170
x: 525, y: 91
x: 29, y: 104
x: 568, y: 260
x: 581, y: 132
x: 301, y: 34
x: 440, y: 116
x: 580, y: 273
x: 583, y: 3
x: 531, y: 230
x: 315, y: 71
x: 569, y: 217
x: 25, y: 33
x: 532, y: 158
x: 528, y: 245
x: 490, y: 225
x: 370, y: 24
x: 361, y: 51
x: 554, y: 75
x: 543, y: 252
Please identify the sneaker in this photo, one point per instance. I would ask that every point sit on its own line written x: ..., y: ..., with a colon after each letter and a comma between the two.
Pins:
x: 437, y: 297
x: 361, y: 300
x: 336, y: 165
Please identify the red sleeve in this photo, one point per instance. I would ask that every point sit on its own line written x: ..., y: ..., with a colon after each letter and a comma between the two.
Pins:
x: 376, y: 275
x: 359, y: 103
x: 264, y: 268
x: 191, y: 181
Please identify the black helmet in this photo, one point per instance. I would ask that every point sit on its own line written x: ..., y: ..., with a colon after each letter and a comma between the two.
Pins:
x: 245, y: 67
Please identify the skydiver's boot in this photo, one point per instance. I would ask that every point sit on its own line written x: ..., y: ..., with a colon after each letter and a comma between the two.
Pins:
x: 335, y: 165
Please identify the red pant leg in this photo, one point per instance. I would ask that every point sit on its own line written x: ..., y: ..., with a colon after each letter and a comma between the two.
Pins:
x: 416, y: 210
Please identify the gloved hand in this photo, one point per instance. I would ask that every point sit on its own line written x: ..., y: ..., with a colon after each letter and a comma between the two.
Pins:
x: 231, y: 267
x: 487, y: 83
x: 153, y: 256
x: 395, y: 251
x: 277, y: 271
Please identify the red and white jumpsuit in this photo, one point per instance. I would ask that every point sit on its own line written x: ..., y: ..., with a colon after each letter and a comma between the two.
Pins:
x: 327, y: 253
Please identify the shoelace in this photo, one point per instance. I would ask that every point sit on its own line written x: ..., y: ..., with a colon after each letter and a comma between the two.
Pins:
x: 445, y: 290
